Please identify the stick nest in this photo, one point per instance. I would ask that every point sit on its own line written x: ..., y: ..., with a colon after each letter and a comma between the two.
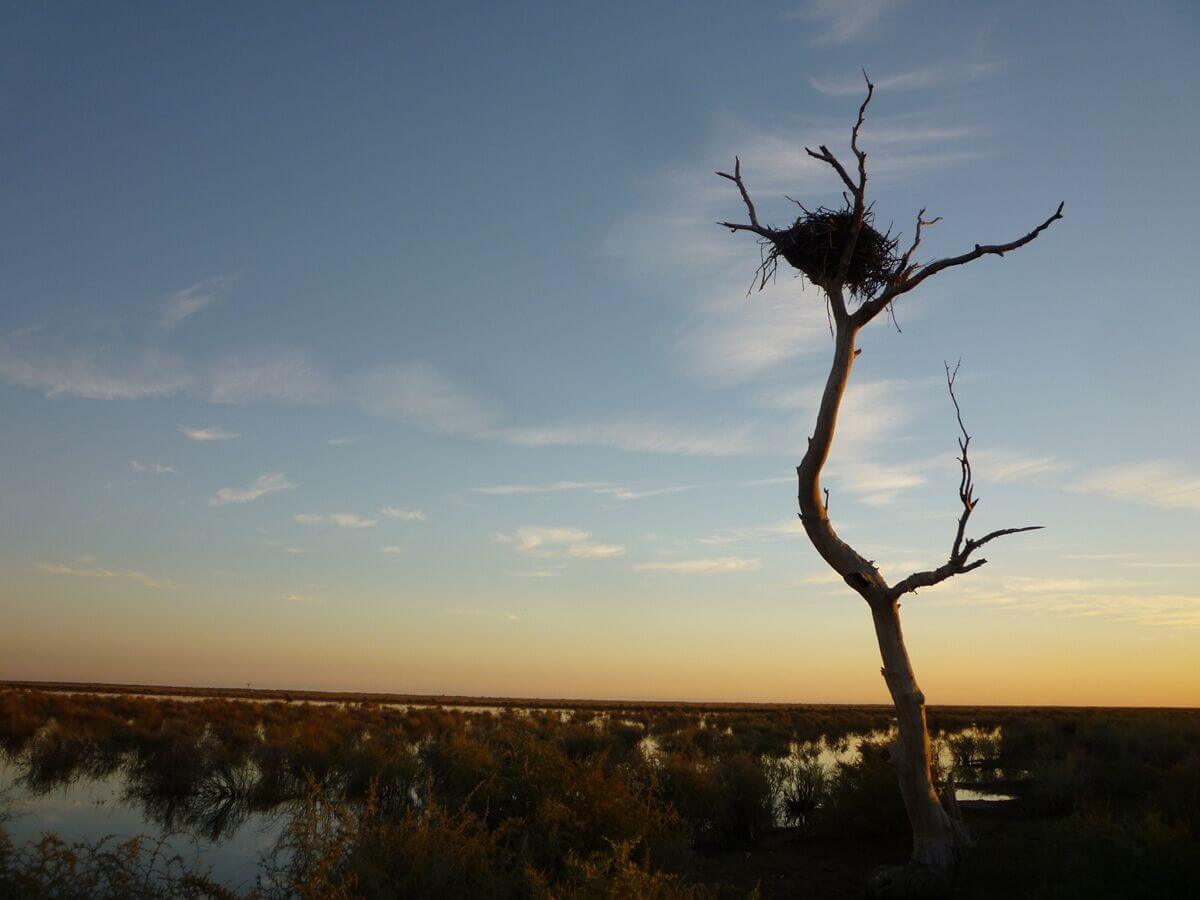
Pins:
x: 814, y: 242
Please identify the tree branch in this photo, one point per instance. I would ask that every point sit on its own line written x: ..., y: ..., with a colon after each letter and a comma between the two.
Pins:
x: 754, y: 225
x: 908, y: 276
x: 904, y: 269
x: 827, y: 157
x: 860, y: 191
x: 960, y: 552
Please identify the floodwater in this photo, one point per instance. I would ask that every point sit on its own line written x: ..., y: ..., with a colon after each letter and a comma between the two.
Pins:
x: 230, y: 841
x: 91, y: 809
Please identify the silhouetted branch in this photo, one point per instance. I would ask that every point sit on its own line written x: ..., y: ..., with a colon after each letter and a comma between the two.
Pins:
x: 858, y: 191
x: 754, y: 225
x: 826, y: 156
x: 904, y: 270
x: 907, y: 280
x: 960, y: 553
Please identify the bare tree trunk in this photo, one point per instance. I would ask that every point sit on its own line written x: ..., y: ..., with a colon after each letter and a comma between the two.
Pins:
x: 935, y: 839
x: 935, y: 836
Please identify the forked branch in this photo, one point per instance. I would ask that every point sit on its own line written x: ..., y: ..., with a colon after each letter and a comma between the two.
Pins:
x: 960, y: 553
x: 826, y: 156
x: 908, y: 275
x: 858, y: 190
x: 754, y: 225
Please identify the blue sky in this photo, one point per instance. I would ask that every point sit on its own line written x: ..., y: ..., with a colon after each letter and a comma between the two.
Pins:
x: 396, y: 349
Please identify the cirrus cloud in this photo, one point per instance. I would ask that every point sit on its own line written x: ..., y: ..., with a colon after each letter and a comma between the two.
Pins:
x: 271, y: 483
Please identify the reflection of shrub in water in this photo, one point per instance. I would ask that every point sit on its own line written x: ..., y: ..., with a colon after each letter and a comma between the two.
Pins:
x: 973, y: 750
x: 217, y: 805
x: 801, y: 786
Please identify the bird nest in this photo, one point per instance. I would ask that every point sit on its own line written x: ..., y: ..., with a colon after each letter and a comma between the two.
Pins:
x: 814, y: 243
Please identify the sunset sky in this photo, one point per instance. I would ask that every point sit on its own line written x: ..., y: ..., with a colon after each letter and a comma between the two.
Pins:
x: 396, y: 349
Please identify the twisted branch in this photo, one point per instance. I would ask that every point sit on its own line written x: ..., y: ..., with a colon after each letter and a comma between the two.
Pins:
x: 960, y: 553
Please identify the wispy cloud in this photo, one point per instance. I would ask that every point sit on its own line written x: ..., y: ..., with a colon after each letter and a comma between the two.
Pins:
x: 301, y: 598
x: 776, y: 531
x: 151, y: 468
x: 419, y: 395
x: 1084, y: 598
x: 32, y: 360
x: 710, y: 566
x: 874, y: 415
x: 852, y: 85
x: 210, y: 433
x: 186, y: 303
x: 839, y: 21
x: 732, y: 341
x: 63, y: 363
x: 635, y: 494
x: 531, y: 538
x: 97, y: 572
x: 275, y: 376
x: 357, y: 521
x: 553, y: 487
x: 270, y: 483
x: 1004, y: 465
x: 914, y: 79
x: 414, y: 393
x: 342, y: 440
x: 616, y: 491
x: 404, y: 515
x: 352, y: 520
x: 643, y: 436
x: 1158, y: 483
x: 422, y: 397
x: 1043, y: 585
x: 588, y: 550
x: 541, y: 541
x: 873, y: 483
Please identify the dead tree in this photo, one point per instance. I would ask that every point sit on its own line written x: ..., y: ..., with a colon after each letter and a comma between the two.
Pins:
x: 862, y: 273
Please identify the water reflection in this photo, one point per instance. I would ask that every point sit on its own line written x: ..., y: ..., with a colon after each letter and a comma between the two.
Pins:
x: 221, y: 781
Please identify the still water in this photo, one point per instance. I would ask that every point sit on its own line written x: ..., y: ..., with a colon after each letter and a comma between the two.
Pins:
x: 92, y: 809
x: 229, y: 840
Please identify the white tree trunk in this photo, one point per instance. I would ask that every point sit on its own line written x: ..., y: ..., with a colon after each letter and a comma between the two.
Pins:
x: 935, y: 837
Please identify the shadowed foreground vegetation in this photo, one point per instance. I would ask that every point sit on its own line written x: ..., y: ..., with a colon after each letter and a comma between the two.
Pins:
x: 654, y: 801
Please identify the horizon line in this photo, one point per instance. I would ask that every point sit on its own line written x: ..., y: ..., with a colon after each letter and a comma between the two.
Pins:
x: 467, y: 700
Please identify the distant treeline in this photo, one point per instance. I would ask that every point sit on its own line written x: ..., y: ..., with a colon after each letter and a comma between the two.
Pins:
x: 291, y: 695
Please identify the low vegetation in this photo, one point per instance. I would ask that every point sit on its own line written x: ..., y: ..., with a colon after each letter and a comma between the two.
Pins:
x: 654, y: 801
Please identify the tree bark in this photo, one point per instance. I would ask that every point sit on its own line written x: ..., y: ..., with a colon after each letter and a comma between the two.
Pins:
x: 936, y: 848
x: 935, y: 837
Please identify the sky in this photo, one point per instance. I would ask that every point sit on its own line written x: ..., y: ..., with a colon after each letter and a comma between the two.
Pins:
x: 396, y: 348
